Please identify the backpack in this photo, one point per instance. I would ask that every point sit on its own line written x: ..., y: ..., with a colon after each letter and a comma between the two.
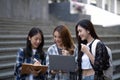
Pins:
x: 108, y: 74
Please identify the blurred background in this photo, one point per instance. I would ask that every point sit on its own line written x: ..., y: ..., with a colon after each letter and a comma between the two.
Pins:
x: 17, y: 17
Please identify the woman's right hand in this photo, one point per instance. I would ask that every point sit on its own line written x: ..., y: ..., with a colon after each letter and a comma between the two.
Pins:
x: 84, y: 48
x: 37, y: 63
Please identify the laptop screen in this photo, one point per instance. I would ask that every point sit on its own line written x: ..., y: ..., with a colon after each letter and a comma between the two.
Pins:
x: 63, y: 63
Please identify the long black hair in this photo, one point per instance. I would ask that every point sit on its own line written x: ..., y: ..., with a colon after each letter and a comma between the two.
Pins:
x: 28, y: 48
x: 87, y: 25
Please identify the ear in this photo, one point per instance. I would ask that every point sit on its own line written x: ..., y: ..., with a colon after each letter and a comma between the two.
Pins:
x: 29, y: 38
x: 88, y: 31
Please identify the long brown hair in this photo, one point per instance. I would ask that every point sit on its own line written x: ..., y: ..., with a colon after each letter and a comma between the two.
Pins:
x: 66, y: 38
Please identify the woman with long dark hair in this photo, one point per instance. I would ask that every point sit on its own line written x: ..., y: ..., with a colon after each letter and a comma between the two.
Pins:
x: 90, y: 66
x: 33, y: 50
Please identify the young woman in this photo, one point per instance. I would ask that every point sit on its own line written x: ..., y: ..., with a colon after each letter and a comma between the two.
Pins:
x: 33, y: 50
x: 64, y: 45
x: 90, y: 67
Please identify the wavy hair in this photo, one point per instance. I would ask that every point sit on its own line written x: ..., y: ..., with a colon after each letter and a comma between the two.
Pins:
x: 66, y: 38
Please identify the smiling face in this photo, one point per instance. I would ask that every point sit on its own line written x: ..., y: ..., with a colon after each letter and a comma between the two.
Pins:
x: 82, y: 33
x: 57, y: 38
x: 35, y: 40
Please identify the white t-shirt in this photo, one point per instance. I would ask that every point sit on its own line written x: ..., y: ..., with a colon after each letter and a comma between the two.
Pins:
x: 34, y: 51
x: 86, y: 61
x: 31, y: 75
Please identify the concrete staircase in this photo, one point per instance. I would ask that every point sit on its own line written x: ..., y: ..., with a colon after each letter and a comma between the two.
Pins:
x: 12, y: 37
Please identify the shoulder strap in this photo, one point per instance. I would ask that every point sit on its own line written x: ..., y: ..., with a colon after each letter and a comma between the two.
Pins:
x: 110, y: 55
x: 93, y: 46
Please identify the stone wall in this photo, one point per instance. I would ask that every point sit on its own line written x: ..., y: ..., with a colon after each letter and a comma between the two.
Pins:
x: 24, y: 9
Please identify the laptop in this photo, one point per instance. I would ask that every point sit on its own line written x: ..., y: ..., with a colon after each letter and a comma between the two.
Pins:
x: 63, y: 63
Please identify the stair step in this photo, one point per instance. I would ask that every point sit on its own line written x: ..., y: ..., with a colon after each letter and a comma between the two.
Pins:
x: 116, y: 51
x: 3, y: 32
x: 116, y: 54
x: 7, y: 58
x: 109, y: 38
x: 12, y: 37
x: 9, y: 49
x: 22, y: 36
x: 113, y: 44
x: 116, y: 69
x: 116, y: 62
x: 4, y: 65
x: 116, y: 76
x: 9, y: 52
x: 7, y: 76
x: 7, y: 44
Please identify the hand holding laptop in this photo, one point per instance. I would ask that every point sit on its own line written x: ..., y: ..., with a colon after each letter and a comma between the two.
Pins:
x: 56, y: 71
x: 62, y: 63
x: 53, y: 72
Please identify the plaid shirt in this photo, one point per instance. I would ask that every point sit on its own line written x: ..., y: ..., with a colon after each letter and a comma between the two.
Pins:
x: 21, y: 59
x: 53, y: 50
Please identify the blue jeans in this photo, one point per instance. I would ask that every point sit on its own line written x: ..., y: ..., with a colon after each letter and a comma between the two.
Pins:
x: 88, y: 77
x: 60, y: 76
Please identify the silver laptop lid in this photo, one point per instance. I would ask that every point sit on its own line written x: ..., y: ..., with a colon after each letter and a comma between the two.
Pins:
x: 63, y: 63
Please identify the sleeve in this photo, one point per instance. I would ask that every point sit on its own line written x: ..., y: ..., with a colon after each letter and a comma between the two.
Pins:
x: 51, y: 51
x: 76, y: 53
x: 47, y: 58
x: 99, y: 57
x: 19, y: 61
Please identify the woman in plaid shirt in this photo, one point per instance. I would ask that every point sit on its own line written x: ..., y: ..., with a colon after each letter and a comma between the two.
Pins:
x: 64, y: 45
x: 33, y: 50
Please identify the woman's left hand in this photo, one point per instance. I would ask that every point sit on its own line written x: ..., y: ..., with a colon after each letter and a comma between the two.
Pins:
x: 34, y: 72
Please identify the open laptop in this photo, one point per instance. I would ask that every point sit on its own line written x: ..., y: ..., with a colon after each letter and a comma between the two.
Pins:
x: 63, y: 63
